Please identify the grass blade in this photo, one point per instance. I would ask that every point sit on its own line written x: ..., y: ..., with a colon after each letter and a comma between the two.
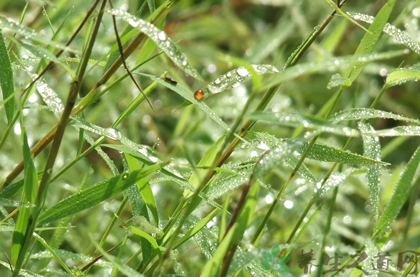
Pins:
x: 161, y: 39
x: 403, y: 75
x: 297, y: 120
x: 364, y: 114
x: 95, y: 194
x: 401, y: 193
x: 6, y: 80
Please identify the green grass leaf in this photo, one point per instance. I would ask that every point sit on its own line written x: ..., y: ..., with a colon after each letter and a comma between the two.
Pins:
x: 212, y: 267
x: 144, y: 188
x: 372, y: 149
x: 401, y: 193
x: 403, y: 75
x: 6, y: 80
x: 296, y: 120
x: 369, y: 40
x: 395, y: 132
x: 95, y: 194
x: 364, y: 114
x: 330, y: 154
x: 398, y: 35
x: 161, y: 39
x: 31, y: 34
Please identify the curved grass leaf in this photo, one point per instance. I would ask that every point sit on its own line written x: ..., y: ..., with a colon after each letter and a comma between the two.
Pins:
x: 74, y: 257
x: 401, y: 193
x: 6, y: 80
x: 330, y: 64
x: 370, y: 40
x: 296, y: 120
x: 403, y: 75
x: 235, y: 77
x: 95, y: 194
x: 397, y: 131
x: 4, y: 202
x: 146, y: 236
x: 161, y: 39
x: 364, y: 114
x: 330, y: 154
x: 30, y: 33
x: 189, y: 95
x: 372, y: 149
x: 391, y: 30
x: 338, y: 80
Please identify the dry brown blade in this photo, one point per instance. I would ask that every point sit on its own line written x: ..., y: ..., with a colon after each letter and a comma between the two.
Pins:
x: 120, y: 48
x: 83, y: 269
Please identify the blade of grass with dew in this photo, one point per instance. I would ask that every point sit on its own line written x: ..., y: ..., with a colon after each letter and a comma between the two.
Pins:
x: 57, y: 258
x: 145, y: 189
x: 30, y: 33
x: 330, y: 154
x: 207, y: 160
x: 370, y: 40
x: 197, y: 227
x: 6, y: 80
x: 372, y: 149
x: 297, y: 120
x: 272, y: 142
x: 41, y: 53
x: 189, y: 95
x: 400, y: 195
x: 95, y: 194
x: 397, y: 131
x: 70, y: 256
x: 212, y: 267
x: 365, y: 114
x: 237, y: 76
x: 335, y: 7
x: 403, y: 75
x: 4, y: 202
x: 30, y: 191
x: 161, y: 39
x: 395, y: 33
x: 328, y: 65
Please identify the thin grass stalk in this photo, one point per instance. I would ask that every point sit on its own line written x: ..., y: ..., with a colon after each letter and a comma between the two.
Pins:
x: 43, y: 185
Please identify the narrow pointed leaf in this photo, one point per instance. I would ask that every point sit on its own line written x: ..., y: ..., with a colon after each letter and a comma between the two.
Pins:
x: 161, y: 39
x: 372, y: 149
x: 330, y: 154
x: 397, y: 131
x: 6, y: 79
x: 95, y: 194
x: 370, y: 39
x: 296, y: 120
x: 403, y: 75
x: 401, y: 193
x: 398, y: 35
x: 364, y: 114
